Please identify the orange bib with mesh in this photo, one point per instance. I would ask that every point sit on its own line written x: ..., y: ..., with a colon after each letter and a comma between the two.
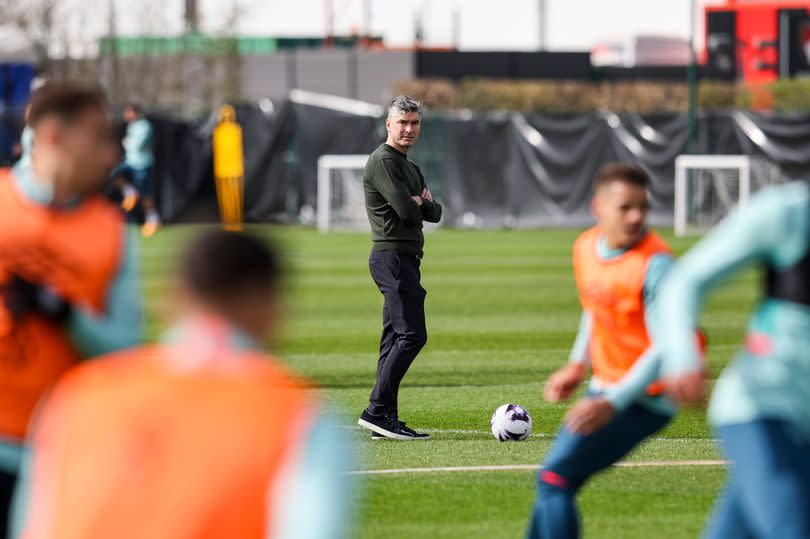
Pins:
x: 154, y: 443
x: 612, y: 291
x: 77, y: 252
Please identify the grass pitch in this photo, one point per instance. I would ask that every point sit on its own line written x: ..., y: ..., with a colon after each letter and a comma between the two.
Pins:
x: 502, y: 313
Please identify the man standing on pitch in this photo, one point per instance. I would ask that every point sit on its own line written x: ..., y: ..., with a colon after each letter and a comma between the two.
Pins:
x: 397, y: 202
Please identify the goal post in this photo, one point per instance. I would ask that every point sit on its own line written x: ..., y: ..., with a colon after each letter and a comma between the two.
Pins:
x: 708, y: 187
x: 341, y: 202
x: 341, y: 199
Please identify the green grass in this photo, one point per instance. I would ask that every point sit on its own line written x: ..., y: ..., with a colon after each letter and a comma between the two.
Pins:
x: 502, y: 313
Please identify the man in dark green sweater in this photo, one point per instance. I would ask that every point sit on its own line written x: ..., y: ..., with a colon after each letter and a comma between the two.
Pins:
x: 397, y: 202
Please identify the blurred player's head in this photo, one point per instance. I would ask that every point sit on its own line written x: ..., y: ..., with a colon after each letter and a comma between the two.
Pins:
x: 236, y: 276
x: 75, y: 149
x: 621, y: 202
x: 132, y: 111
x: 403, y: 123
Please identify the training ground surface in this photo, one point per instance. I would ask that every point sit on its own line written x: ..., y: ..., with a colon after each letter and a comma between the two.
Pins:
x: 502, y: 313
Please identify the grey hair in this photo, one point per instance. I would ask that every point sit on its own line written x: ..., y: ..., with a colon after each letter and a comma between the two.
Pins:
x: 403, y: 104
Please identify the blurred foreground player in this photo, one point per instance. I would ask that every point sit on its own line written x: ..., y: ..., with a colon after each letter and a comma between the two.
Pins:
x: 201, y: 436
x: 618, y: 265
x: 68, y: 287
x: 761, y: 403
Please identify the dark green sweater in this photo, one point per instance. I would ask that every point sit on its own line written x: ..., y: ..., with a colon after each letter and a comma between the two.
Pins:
x: 389, y: 181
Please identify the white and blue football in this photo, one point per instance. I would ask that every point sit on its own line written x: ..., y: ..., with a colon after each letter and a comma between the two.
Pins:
x: 511, y: 422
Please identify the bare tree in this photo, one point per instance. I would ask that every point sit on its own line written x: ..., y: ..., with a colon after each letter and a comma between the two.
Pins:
x: 229, y: 86
x: 60, y: 29
x: 148, y: 73
x: 189, y: 79
x: 36, y: 17
x: 157, y: 69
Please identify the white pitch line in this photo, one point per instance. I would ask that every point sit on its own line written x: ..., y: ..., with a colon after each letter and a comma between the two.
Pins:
x: 669, y: 463
x: 536, y: 435
x: 443, y: 469
x: 533, y: 467
x: 451, y: 431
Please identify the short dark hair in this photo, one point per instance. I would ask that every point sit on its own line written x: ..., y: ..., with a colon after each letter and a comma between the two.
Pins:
x: 219, y: 264
x: 623, y: 172
x: 65, y: 100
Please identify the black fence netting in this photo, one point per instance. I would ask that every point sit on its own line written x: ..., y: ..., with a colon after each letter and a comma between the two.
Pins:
x: 490, y: 170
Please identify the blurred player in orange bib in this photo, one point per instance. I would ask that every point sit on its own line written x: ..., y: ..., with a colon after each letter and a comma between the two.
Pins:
x: 618, y: 266
x: 68, y: 286
x: 200, y: 436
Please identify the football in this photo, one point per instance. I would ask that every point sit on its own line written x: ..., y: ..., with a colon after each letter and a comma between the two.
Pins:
x: 511, y: 422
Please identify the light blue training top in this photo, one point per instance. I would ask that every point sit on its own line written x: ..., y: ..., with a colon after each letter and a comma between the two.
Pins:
x: 773, y: 228
x: 138, y: 144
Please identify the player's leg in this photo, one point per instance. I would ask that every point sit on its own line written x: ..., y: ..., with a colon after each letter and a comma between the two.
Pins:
x: 122, y: 178
x: 772, y: 469
x: 405, y: 333
x: 407, y: 314
x: 121, y: 171
x: 397, y: 277
x: 143, y: 182
x: 383, y: 272
x: 376, y: 403
x: 574, y: 458
x: 728, y: 518
x: 386, y: 343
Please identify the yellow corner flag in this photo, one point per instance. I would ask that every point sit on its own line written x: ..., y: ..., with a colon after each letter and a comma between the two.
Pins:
x: 229, y: 168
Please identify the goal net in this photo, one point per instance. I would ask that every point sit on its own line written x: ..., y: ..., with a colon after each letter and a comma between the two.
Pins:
x: 707, y: 187
x: 341, y: 203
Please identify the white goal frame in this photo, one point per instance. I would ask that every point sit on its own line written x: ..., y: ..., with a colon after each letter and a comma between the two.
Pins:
x: 683, y: 163
x: 325, y: 164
